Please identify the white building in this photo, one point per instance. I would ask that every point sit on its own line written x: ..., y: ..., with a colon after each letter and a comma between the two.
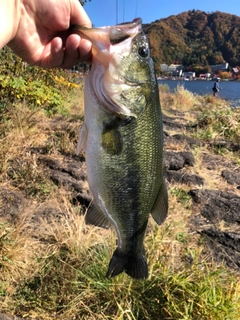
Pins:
x: 189, y: 74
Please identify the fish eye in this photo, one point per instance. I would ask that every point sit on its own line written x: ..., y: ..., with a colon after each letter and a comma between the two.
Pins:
x: 143, y: 52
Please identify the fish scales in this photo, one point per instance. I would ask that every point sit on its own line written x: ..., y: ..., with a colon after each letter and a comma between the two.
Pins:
x: 123, y: 140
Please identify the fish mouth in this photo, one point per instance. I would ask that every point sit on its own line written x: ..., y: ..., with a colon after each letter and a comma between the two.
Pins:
x: 102, y: 38
x: 109, y: 46
x: 123, y: 27
x: 134, y: 23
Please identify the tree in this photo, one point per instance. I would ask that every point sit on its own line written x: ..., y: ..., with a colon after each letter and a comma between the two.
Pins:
x: 196, y: 37
x: 83, y: 2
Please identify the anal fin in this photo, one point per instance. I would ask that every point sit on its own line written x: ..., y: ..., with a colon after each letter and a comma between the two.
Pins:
x: 96, y: 217
x: 160, y: 208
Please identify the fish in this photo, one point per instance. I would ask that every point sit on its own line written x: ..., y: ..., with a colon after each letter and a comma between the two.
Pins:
x: 122, y: 137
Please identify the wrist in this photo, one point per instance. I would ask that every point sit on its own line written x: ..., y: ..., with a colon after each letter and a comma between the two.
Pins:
x: 10, y: 15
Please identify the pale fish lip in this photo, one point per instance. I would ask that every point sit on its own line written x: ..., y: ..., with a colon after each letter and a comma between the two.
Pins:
x: 104, y: 37
x: 101, y: 36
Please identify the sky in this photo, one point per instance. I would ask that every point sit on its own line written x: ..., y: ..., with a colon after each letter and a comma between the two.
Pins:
x: 110, y: 12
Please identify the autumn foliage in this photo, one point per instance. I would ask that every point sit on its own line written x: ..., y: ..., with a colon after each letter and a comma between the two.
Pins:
x: 195, y: 38
x: 39, y: 88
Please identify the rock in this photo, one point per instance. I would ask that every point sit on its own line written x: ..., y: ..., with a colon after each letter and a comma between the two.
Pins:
x: 64, y: 179
x: 182, y: 177
x: 177, y: 160
x: 230, y: 145
x: 190, y: 141
x: 232, y: 177
x: 215, y: 209
x: 217, y: 205
x: 12, y: 203
x: 82, y: 199
x: 73, y: 167
x: 174, y: 122
x: 213, y: 162
x: 225, y: 246
x: 70, y: 173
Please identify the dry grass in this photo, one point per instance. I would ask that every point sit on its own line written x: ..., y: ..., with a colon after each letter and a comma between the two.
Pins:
x: 182, y: 100
x: 64, y: 277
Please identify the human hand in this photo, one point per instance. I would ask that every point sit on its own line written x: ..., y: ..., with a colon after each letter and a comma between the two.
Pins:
x: 43, y: 37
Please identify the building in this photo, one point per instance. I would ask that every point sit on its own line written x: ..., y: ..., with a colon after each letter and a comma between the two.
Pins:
x: 189, y: 74
x: 174, y: 70
x: 205, y: 76
x: 221, y: 67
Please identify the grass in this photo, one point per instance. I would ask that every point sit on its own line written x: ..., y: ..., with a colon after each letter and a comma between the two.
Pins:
x: 65, y: 279
x: 181, y: 100
x: 219, y: 123
x: 56, y: 269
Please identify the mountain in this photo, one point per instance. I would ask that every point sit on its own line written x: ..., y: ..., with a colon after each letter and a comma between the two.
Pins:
x: 195, y: 38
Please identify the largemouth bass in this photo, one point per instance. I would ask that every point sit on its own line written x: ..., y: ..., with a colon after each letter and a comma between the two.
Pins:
x: 123, y: 140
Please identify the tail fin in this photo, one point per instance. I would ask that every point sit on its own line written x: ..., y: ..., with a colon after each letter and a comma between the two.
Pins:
x: 134, y: 265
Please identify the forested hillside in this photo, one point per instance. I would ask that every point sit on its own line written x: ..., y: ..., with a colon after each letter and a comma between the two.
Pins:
x: 196, y: 38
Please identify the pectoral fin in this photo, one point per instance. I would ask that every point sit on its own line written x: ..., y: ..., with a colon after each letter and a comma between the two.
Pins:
x: 160, y: 207
x: 96, y: 217
x: 112, y: 141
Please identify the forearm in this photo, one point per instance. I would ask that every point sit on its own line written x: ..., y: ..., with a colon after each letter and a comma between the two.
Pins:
x: 9, y: 19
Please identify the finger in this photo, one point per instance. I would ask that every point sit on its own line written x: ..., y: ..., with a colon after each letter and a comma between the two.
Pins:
x: 53, y: 54
x: 71, y: 53
x: 76, y: 50
x: 85, y: 50
x: 79, y: 15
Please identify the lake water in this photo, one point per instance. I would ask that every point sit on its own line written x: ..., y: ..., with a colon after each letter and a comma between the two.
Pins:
x: 230, y: 89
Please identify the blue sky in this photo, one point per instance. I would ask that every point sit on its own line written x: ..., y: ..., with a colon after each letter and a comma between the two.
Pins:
x: 103, y: 12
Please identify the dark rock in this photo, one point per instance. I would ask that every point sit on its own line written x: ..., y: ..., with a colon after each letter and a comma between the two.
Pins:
x: 190, y: 141
x: 49, y: 211
x: 230, y: 145
x: 217, y: 205
x: 181, y: 177
x: 212, y: 208
x: 83, y: 199
x: 70, y: 173
x: 81, y: 194
x: 64, y: 179
x: 232, y: 177
x: 174, y: 123
x: 225, y: 246
x: 177, y: 160
x: 228, y: 239
x: 12, y: 203
x: 73, y: 167
x: 213, y: 162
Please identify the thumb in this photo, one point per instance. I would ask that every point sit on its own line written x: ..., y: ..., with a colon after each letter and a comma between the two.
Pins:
x: 78, y: 15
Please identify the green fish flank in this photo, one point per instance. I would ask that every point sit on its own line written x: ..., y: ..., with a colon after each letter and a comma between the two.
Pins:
x: 123, y: 141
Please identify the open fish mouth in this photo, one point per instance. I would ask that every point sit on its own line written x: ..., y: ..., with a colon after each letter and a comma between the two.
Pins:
x: 101, y: 38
